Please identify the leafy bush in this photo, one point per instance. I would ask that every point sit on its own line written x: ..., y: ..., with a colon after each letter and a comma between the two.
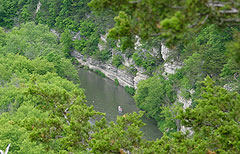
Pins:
x: 130, y: 90
x: 116, y: 82
x: 103, y: 55
x: 117, y: 60
x: 137, y: 59
x: 100, y: 73
x: 132, y: 70
x: 153, y: 94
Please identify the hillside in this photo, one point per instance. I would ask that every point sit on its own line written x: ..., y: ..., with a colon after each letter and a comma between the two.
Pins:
x: 181, y: 57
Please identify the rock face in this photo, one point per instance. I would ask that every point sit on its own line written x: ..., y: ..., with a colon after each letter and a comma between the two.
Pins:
x: 137, y: 44
x: 139, y: 76
x: 125, y: 78
x: 111, y: 72
x: 127, y: 61
x: 186, y: 104
x: 104, y: 40
x: 171, y: 65
x: 38, y: 7
x: 55, y: 32
x: 165, y: 52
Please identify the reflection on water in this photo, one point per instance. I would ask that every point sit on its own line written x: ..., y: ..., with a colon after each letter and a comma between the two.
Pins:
x: 105, y: 96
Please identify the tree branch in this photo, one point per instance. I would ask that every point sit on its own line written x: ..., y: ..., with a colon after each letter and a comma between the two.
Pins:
x: 134, y: 2
x: 233, y: 10
x: 218, y: 4
x: 194, y: 24
x: 230, y: 20
x: 235, y: 3
x: 157, y: 34
x: 205, y: 19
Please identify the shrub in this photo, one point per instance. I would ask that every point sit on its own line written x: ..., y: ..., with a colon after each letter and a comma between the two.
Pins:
x: 100, y: 73
x: 130, y: 90
x: 116, y: 82
x: 117, y: 60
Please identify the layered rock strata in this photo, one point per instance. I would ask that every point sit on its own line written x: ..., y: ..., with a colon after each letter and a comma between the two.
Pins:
x: 124, y: 78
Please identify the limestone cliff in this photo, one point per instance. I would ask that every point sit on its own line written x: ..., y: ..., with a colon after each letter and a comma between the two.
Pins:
x: 127, y: 79
x: 124, y: 78
x: 171, y: 65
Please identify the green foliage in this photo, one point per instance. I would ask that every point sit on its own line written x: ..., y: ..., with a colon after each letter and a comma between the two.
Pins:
x: 64, y: 67
x: 122, y: 26
x: 172, y: 26
x: 17, y: 135
x: 43, y: 112
x: 2, y: 37
x: 117, y: 60
x: 129, y: 90
x: 90, y: 30
x: 37, y: 42
x: 125, y: 135
x: 43, y: 108
x: 17, y: 97
x: 169, y: 122
x: 61, y: 14
x: 145, y: 60
x: 210, y: 45
x: 230, y: 76
x: 153, y: 94
x: 116, y: 82
x: 137, y: 59
x: 215, y: 122
x: 132, y: 70
x: 122, y: 30
x: 234, y: 47
x: 103, y: 55
x: 8, y: 11
x: 204, y: 54
x: 88, y: 44
x: 166, y: 19
x: 31, y: 40
x: 100, y: 73
x: 66, y: 42
x: 215, y: 119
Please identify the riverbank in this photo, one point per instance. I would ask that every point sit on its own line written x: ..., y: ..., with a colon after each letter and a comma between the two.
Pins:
x: 105, y: 96
x: 123, y: 77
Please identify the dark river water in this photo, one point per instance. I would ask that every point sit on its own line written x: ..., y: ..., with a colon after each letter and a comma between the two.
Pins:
x: 105, y: 96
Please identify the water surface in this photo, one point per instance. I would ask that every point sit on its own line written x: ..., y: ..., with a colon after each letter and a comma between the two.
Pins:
x: 105, y: 96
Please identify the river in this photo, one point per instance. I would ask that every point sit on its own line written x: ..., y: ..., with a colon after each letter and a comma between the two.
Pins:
x: 105, y: 96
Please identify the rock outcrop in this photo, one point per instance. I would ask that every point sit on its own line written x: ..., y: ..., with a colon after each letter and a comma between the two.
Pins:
x: 186, y: 104
x: 127, y: 79
x: 38, y: 7
x: 124, y: 78
x: 139, y: 76
x: 171, y: 65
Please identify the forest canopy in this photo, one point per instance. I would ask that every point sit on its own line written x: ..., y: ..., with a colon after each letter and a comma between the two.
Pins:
x: 43, y: 110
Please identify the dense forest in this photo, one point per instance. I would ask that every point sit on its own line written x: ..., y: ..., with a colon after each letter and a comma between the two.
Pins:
x: 43, y: 110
